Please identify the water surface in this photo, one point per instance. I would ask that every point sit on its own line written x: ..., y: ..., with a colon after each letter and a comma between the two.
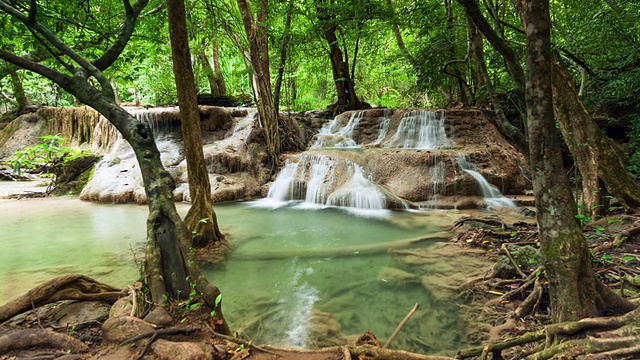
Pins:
x: 274, y: 282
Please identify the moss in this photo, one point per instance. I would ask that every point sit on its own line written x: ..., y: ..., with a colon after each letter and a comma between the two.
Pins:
x: 84, y: 179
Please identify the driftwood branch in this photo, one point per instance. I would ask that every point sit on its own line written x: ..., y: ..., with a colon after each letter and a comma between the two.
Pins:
x: 400, y: 325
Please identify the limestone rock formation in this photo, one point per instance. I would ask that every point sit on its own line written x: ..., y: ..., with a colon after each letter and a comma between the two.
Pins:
x: 378, y: 158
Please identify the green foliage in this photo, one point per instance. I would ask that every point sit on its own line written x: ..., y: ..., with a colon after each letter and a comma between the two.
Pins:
x: 190, y: 303
x: 42, y: 156
x: 217, y: 303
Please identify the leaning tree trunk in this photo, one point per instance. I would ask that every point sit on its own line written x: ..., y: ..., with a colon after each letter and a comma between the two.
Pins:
x: 512, y: 63
x: 169, y: 266
x: 286, y: 36
x: 259, y: 55
x: 600, y: 162
x: 345, y: 87
x: 573, y: 288
x: 201, y: 218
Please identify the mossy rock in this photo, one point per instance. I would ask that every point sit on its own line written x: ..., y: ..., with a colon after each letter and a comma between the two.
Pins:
x: 74, y: 173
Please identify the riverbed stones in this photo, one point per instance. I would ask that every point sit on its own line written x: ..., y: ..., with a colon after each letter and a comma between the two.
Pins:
x: 181, y: 350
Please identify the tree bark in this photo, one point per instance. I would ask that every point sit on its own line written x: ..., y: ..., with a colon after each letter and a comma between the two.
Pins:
x: 213, y: 73
x: 201, y: 218
x: 600, y: 162
x: 283, y: 56
x: 259, y: 55
x: 573, y: 288
x: 18, y: 90
x: 511, y: 61
x: 345, y: 87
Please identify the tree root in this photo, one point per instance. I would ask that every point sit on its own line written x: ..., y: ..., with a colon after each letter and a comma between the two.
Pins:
x: 22, y: 339
x: 505, y: 250
x: 65, y: 287
x: 529, y: 305
x: 388, y: 354
x: 598, y: 348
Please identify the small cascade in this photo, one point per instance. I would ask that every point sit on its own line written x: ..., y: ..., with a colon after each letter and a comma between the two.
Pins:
x: 437, y: 176
x: 420, y: 129
x: 159, y: 119
x: 332, y: 136
x: 490, y: 194
x: 359, y: 192
x: 384, y: 126
x: 326, y: 181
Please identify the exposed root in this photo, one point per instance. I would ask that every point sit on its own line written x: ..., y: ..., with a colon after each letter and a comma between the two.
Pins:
x: 22, y: 339
x: 551, y: 347
x: 64, y: 287
x: 530, y: 304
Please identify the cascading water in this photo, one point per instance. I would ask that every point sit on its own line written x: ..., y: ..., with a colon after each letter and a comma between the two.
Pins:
x: 420, y: 129
x: 321, y: 180
x: 490, y: 193
x: 159, y: 119
x: 332, y: 136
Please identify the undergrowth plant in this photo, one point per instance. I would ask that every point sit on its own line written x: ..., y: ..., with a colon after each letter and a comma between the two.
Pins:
x: 42, y: 156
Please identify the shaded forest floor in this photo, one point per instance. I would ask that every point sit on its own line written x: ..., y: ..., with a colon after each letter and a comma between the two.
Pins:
x: 506, y: 307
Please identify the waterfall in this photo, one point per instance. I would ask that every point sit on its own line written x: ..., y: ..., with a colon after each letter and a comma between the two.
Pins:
x: 384, y: 126
x: 321, y: 180
x: 490, y: 194
x: 329, y: 136
x: 420, y: 129
x: 436, y: 177
x: 359, y: 192
x: 282, y: 188
x: 159, y: 119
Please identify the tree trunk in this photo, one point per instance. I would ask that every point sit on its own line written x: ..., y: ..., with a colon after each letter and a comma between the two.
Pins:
x: 600, y: 162
x: 259, y: 54
x: 201, y: 218
x: 504, y: 126
x: 18, y: 90
x: 169, y: 268
x: 283, y: 56
x: 511, y: 61
x: 573, y: 288
x: 398, y: 35
x: 345, y: 88
x: 213, y: 74
x: 463, y: 88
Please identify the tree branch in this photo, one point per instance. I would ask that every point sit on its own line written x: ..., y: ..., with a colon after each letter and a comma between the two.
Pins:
x: 114, y: 51
x: 35, y: 26
x: 55, y: 76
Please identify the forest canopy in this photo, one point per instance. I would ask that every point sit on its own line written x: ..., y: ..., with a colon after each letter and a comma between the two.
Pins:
x: 399, y: 53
